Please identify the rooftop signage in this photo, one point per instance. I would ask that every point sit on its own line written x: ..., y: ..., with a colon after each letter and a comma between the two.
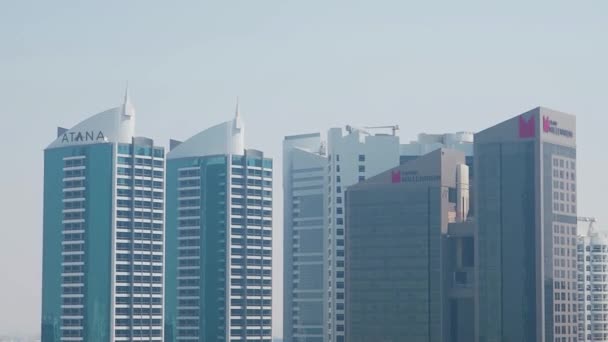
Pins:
x: 527, y: 127
x: 88, y: 136
x: 398, y: 176
x: 552, y: 127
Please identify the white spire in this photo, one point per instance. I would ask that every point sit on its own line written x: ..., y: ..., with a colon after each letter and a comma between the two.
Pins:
x: 237, y: 113
x: 127, y: 107
x: 238, y: 121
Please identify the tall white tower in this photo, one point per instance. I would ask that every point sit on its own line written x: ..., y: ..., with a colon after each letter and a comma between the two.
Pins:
x: 352, y: 157
x: 592, y: 284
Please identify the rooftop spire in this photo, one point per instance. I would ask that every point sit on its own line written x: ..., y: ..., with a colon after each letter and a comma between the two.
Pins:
x: 126, y: 99
x: 127, y: 107
x: 237, y: 113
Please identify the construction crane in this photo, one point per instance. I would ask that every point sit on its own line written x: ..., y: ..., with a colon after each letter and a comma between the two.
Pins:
x: 394, y: 128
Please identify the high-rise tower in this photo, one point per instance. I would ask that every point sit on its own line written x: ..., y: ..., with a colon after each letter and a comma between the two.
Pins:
x: 592, y: 284
x: 525, y: 193
x: 219, y: 238
x: 103, y: 232
x: 304, y: 179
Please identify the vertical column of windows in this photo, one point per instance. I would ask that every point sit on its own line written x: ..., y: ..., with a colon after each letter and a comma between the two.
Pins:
x: 189, y: 268
x: 251, y: 238
x: 307, y: 225
x: 238, y: 256
x: 565, y: 291
x: 73, y: 248
x: 139, y: 246
x: 593, y: 289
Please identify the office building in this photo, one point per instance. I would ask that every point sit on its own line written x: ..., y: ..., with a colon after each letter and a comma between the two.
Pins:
x: 304, y: 179
x: 402, y: 272
x: 592, y: 285
x: 103, y: 232
x: 352, y: 157
x: 525, y: 193
x: 219, y: 238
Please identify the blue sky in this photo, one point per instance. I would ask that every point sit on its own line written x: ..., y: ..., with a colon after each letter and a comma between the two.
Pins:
x: 298, y: 66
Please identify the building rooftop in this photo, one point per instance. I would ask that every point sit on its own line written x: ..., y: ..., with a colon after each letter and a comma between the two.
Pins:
x: 113, y: 125
x: 225, y: 138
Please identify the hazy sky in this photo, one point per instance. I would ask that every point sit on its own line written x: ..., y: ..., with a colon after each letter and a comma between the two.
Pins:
x: 298, y: 66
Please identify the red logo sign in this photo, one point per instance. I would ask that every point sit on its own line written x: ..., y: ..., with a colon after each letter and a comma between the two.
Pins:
x: 546, y: 124
x: 396, y: 176
x: 527, y: 128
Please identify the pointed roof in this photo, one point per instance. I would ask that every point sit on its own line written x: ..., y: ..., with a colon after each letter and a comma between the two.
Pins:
x: 127, y: 107
x: 113, y: 125
x: 222, y: 139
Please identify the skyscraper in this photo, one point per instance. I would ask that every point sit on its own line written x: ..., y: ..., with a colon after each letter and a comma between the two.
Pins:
x: 316, y: 174
x: 351, y: 159
x: 525, y: 193
x: 396, y: 255
x: 103, y: 232
x: 304, y: 179
x: 219, y: 238
x: 592, y: 285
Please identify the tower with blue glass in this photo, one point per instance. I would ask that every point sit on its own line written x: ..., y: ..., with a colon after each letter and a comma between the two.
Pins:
x: 103, y: 232
x: 219, y: 238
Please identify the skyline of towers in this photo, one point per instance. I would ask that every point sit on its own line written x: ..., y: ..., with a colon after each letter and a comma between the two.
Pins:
x: 113, y: 269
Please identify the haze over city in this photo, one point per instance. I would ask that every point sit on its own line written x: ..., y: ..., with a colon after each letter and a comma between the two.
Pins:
x: 297, y: 67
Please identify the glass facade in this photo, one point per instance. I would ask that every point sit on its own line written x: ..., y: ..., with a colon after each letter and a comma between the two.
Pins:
x: 525, y: 182
x: 304, y: 177
x: 398, y: 255
x: 393, y: 265
x: 103, y: 243
x: 507, y: 242
x: 219, y: 248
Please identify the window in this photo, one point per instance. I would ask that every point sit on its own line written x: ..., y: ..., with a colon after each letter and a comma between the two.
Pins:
x: 362, y: 157
x: 361, y: 168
